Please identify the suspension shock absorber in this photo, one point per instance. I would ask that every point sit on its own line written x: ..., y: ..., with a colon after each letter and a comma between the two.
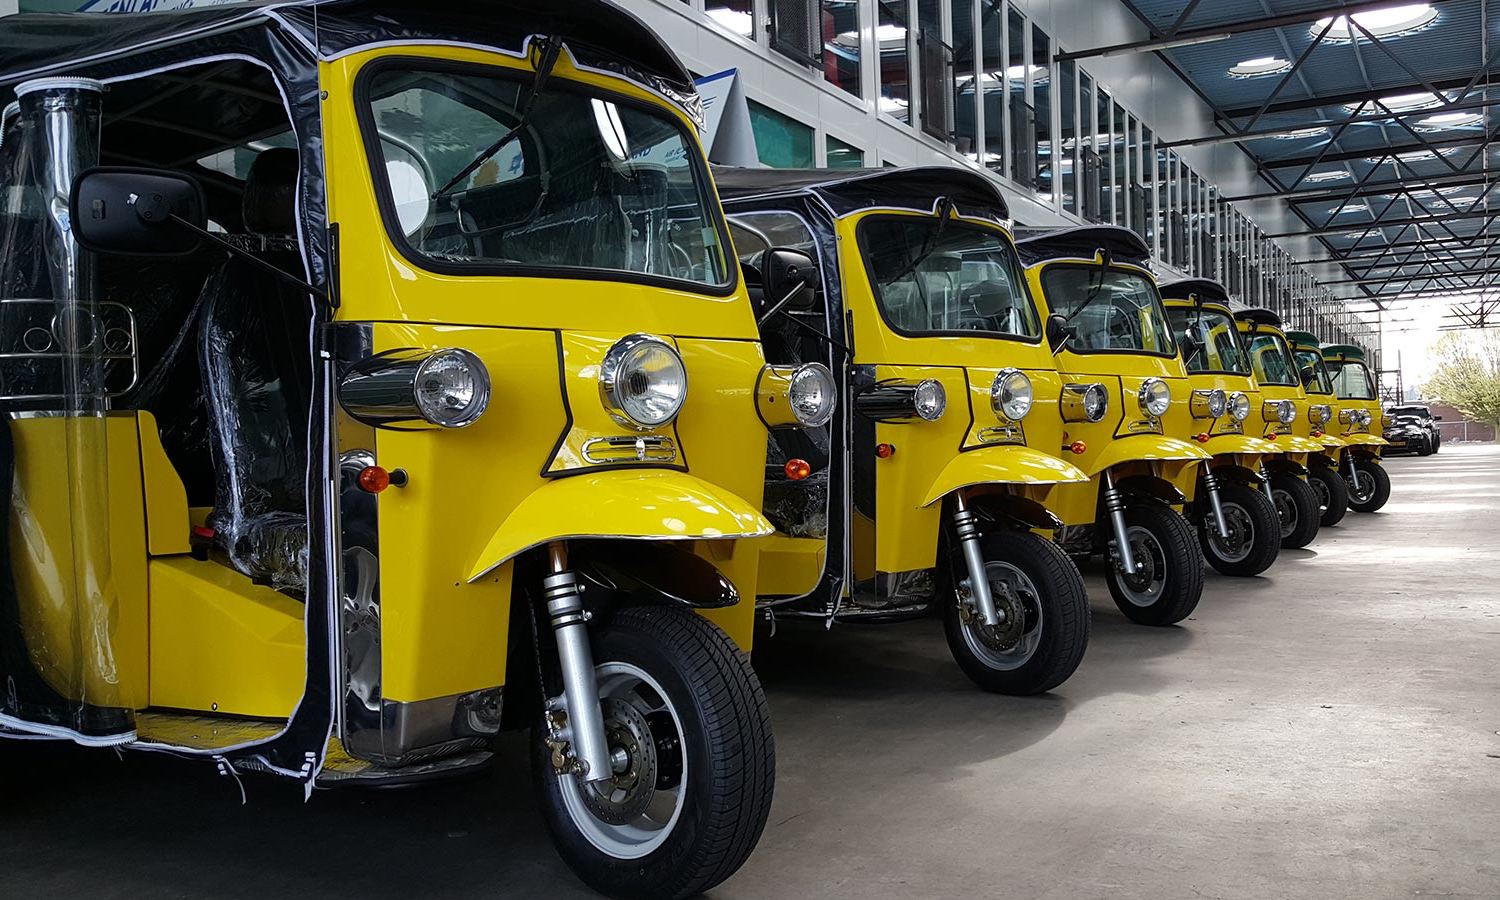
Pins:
x: 966, y: 527
x: 1114, y: 504
x: 1353, y: 472
x: 563, y: 590
x: 1265, y: 484
x: 1211, y: 484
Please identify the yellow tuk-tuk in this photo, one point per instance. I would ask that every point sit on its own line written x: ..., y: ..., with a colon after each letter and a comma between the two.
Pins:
x: 1359, y: 408
x: 1324, y: 468
x: 1224, y: 393
x: 346, y: 358
x: 939, y: 458
x: 1283, y: 404
x: 1106, y: 325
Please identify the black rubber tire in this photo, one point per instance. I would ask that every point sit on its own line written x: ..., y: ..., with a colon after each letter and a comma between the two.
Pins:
x: 1382, y: 486
x: 1064, y: 605
x: 1304, y: 505
x: 1437, y: 442
x: 1335, y: 502
x: 1182, y: 584
x: 1265, y: 530
x: 731, y: 759
x: 1426, y: 447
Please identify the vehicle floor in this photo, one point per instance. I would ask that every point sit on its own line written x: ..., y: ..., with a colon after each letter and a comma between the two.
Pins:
x: 1327, y: 730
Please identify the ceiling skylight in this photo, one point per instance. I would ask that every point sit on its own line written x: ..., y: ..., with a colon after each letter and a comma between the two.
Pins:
x: 1262, y: 65
x: 1403, y: 102
x: 1353, y: 207
x: 1449, y: 120
x: 1300, y: 133
x: 1382, y: 23
x: 1326, y: 176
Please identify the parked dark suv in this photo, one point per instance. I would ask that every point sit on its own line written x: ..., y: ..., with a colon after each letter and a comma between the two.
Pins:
x: 1413, y: 429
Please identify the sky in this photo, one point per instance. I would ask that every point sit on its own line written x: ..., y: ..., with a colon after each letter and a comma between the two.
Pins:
x: 1407, y: 334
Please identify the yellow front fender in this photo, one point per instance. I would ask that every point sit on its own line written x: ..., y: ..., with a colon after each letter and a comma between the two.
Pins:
x: 651, y: 505
x: 1291, y: 443
x: 1001, y: 465
x: 1369, y: 440
x: 1145, y: 447
x: 1224, y: 444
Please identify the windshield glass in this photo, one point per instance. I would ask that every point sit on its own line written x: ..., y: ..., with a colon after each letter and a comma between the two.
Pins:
x: 1120, y: 309
x: 1272, y: 359
x: 1320, y: 383
x: 1351, y: 380
x: 1417, y: 412
x: 592, y: 183
x: 1208, y: 340
x: 958, y: 278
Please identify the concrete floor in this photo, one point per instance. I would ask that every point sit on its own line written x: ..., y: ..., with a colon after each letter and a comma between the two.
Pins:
x: 1331, y: 730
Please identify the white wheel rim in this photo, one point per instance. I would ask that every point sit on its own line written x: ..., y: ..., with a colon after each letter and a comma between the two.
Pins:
x: 1007, y: 660
x: 1238, y: 519
x: 1146, y: 548
x: 651, y: 829
x: 1286, y: 511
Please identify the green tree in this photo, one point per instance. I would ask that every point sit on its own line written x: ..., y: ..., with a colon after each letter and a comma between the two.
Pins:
x: 1468, y: 373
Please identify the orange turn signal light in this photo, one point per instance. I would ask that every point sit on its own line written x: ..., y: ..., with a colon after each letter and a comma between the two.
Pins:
x: 797, y: 469
x: 1317, y: 434
x: 1202, y: 437
x: 374, y: 479
x: 885, y: 451
x: 1272, y: 436
x: 1078, y: 446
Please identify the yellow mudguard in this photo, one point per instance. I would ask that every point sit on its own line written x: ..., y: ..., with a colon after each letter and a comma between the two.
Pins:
x: 1368, y: 440
x: 1223, y: 444
x: 1145, y: 447
x: 1291, y: 443
x: 654, y: 504
x: 1001, y: 465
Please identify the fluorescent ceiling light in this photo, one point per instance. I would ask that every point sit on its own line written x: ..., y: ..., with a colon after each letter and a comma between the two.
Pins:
x: 1326, y: 176
x: 1404, y: 102
x: 1449, y: 120
x: 1353, y: 207
x: 1382, y: 23
x: 1262, y: 65
x: 1300, y: 133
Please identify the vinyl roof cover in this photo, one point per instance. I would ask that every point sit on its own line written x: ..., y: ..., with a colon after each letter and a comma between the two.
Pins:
x: 602, y: 33
x: 1081, y: 242
x: 1258, y: 315
x: 850, y: 190
x: 1207, y: 290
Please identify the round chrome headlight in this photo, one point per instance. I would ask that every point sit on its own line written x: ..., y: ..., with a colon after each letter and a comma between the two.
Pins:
x: 642, y: 382
x: 812, y: 395
x: 1365, y: 417
x: 1319, y: 413
x: 1011, y: 395
x: 1239, y: 406
x: 1286, y: 412
x: 1083, y: 402
x: 929, y: 399
x: 452, y: 388
x: 1155, y: 397
x: 1218, y: 402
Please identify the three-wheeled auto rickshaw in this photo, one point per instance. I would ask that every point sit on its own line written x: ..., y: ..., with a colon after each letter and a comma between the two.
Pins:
x: 937, y: 460
x: 1324, y: 469
x: 1224, y: 393
x: 346, y: 362
x: 1283, y: 404
x: 1106, y: 326
x: 1359, y: 410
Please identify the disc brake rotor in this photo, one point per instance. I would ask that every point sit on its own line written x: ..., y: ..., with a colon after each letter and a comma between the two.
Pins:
x: 1143, y: 579
x: 624, y: 796
x: 1005, y: 636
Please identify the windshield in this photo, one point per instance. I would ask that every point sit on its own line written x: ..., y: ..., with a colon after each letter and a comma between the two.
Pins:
x: 1272, y: 359
x: 592, y: 183
x: 1120, y: 309
x: 1417, y: 412
x: 1351, y: 380
x: 1208, y: 340
x: 1320, y: 383
x: 958, y: 278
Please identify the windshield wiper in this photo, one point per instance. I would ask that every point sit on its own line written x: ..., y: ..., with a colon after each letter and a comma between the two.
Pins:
x: 1095, y: 290
x: 929, y: 243
x: 551, y: 48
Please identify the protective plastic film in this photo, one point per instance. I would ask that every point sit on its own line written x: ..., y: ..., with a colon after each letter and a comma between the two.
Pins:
x: 62, y: 355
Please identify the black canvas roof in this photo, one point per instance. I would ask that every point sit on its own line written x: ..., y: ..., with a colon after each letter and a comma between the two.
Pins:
x: 1206, y: 289
x: 1081, y: 242
x: 1258, y: 315
x: 848, y: 190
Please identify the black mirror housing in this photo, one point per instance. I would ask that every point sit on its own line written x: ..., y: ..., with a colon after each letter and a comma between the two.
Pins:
x: 1308, y: 375
x: 1058, y: 331
x: 782, y: 271
x: 130, y: 211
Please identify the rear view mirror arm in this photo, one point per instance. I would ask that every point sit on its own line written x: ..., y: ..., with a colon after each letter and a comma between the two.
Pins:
x: 816, y: 333
x: 286, y: 277
x: 780, y: 304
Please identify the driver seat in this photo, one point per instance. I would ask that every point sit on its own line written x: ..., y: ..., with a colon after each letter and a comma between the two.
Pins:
x: 255, y: 359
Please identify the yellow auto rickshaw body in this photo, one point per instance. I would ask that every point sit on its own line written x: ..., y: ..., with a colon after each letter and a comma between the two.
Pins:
x: 1354, y: 386
x: 1322, y: 423
x: 1278, y: 381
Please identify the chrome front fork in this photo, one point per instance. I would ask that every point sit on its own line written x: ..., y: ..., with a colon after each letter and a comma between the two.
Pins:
x: 1265, y: 484
x: 1353, y: 472
x: 1114, y: 503
x: 1211, y: 484
x: 583, y: 725
x: 966, y: 527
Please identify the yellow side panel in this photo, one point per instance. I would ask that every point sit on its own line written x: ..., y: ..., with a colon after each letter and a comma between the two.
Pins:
x: 54, y: 539
x: 1075, y: 503
x: 220, y: 643
x: 790, y: 566
x: 167, y: 522
x: 906, y: 530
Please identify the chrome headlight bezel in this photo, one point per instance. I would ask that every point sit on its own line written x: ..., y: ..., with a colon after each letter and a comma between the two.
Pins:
x: 1011, y: 394
x: 386, y: 389
x: 1286, y: 412
x: 804, y: 374
x: 613, y: 373
x: 1078, y: 399
x: 1239, y: 406
x: 1154, y: 402
x: 929, y: 399
x: 1209, y: 404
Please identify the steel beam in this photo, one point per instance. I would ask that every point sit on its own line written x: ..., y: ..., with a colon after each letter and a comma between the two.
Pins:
x: 1344, y: 98
x: 1388, y: 223
x: 1272, y: 131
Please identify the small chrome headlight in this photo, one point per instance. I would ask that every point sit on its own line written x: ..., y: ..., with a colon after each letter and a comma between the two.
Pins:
x: 1239, y: 406
x: 1084, y: 402
x: 1286, y: 413
x: 642, y: 382
x: 1155, y: 397
x: 1011, y: 395
x: 930, y: 399
x: 449, y: 388
x: 452, y: 388
x: 1364, y: 417
x: 812, y: 395
x: 1348, y: 416
x: 1209, y: 404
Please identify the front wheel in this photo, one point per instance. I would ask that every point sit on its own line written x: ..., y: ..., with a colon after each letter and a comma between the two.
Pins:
x: 694, y: 763
x: 1371, y: 487
x: 1297, y: 508
x: 1166, y: 588
x: 1046, y: 608
x: 1332, y: 494
x: 1425, y: 448
x: 1254, y: 536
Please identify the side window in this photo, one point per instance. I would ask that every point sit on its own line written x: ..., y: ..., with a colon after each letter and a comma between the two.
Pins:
x: 756, y: 232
